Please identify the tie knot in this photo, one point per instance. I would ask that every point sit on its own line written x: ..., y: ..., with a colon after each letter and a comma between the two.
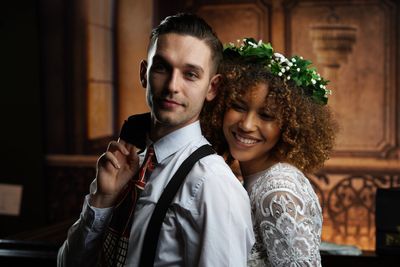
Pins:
x: 150, y: 150
x: 150, y: 158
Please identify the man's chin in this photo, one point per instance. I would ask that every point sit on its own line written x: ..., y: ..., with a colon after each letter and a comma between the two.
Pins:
x: 163, y: 118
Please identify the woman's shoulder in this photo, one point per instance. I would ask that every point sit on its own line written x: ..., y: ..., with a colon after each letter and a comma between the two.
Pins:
x: 282, y: 177
x: 280, y: 174
x: 285, y: 169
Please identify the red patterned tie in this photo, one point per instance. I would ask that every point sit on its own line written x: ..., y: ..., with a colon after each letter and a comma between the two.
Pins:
x: 115, y: 246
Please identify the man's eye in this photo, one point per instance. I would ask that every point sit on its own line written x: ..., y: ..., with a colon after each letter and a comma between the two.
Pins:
x: 158, y: 68
x: 191, y: 75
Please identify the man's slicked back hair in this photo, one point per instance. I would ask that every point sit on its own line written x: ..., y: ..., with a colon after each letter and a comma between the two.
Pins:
x: 192, y: 25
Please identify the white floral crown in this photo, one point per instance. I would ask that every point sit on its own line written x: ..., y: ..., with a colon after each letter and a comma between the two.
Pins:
x: 295, y: 68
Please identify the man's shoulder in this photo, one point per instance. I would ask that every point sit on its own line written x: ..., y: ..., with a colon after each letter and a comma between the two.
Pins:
x: 216, y: 173
x: 215, y: 163
x: 212, y: 170
x: 211, y: 179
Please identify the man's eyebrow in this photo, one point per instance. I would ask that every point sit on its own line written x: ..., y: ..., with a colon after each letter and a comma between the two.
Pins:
x: 159, y: 58
x: 195, y: 67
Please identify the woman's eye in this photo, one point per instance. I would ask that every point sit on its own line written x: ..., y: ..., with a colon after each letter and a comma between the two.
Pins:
x: 238, y: 107
x: 267, y: 117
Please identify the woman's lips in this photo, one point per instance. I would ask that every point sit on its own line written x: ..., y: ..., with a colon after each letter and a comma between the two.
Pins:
x: 246, y: 140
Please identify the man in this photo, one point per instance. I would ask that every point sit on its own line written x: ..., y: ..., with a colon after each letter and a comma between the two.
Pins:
x: 209, y: 220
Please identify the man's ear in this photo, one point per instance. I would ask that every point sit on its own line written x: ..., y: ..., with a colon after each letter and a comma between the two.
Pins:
x: 143, y: 73
x: 213, y: 87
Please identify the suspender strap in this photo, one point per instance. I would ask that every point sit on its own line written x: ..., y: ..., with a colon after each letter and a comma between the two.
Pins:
x: 153, y: 229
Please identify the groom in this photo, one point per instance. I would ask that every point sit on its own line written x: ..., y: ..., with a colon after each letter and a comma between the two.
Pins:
x: 208, y: 222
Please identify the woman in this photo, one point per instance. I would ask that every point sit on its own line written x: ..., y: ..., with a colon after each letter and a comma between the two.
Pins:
x: 276, y: 125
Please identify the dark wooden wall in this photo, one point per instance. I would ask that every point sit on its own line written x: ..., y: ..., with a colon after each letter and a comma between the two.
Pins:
x: 22, y: 154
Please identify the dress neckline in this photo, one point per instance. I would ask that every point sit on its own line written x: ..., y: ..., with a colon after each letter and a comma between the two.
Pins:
x: 251, y: 179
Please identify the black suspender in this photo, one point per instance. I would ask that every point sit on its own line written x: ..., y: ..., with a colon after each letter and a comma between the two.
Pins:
x: 153, y: 229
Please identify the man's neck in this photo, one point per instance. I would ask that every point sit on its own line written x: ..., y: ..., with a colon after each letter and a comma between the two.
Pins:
x: 158, y: 131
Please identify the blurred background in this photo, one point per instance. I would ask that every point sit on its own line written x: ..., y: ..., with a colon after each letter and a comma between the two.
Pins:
x: 70, y: 77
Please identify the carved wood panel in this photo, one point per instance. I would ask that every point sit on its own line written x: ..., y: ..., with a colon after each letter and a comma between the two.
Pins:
x: 352, y: 43
x: 236, y: 21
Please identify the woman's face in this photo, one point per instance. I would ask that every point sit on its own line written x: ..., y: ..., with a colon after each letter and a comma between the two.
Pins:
x: 251, y: 131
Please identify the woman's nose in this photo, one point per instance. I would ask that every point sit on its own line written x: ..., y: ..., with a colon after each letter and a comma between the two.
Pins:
x: 248, y: 122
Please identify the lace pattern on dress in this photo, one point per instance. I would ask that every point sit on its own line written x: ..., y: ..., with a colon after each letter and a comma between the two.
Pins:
x: 287, y: 219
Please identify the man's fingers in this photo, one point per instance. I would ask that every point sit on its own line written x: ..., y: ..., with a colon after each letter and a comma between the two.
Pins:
x: 109, y: 157
x: 118, y: 146
x: 132, y: 149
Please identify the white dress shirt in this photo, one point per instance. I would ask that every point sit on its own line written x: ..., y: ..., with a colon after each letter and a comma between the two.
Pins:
x: 208, y: 224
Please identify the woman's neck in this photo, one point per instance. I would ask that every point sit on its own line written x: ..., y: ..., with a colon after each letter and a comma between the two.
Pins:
x: 252, y: 167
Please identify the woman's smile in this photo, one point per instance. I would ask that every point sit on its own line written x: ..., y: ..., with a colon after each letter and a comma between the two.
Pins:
x: 245, y: 139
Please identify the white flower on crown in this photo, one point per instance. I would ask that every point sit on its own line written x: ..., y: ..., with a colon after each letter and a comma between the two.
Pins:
x: 328, y: 92
x: 252, y: 44
x: 280, y: 57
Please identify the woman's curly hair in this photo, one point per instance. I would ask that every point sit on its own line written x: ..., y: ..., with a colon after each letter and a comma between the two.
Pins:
x: 307, y: 129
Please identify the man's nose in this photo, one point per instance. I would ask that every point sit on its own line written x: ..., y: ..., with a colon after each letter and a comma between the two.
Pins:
x: 174, y: 82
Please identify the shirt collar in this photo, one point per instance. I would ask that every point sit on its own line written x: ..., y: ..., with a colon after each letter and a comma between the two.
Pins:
x: 174, y: 141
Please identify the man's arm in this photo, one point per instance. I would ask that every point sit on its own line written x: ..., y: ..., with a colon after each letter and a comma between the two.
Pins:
x: 114, y: 169
x: 82, y: 246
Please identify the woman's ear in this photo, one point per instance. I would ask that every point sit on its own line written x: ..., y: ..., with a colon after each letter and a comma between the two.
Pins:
x: 213, y: 87
x: 143, y: 73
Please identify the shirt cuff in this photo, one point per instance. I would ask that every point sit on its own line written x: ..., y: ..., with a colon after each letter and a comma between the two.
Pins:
x: 96, y: 219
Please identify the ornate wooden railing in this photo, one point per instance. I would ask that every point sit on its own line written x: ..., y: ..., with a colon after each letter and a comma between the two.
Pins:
x: 346, y: 188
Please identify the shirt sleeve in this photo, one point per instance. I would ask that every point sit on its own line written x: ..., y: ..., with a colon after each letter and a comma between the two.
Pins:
x: 227, y: 233
x: 82, y: 246
x: 287, y: 222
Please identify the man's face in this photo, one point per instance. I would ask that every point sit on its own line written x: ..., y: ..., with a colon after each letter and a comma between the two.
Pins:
x: 178, y: 78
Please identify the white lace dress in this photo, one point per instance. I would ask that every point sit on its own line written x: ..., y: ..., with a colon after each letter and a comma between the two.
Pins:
x: 287, y: 218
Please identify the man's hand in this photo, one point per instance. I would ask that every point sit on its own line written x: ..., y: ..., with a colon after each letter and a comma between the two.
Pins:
x: 114, y: 169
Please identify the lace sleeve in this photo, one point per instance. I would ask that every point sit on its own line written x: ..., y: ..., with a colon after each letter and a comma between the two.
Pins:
x: 288, y: 220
